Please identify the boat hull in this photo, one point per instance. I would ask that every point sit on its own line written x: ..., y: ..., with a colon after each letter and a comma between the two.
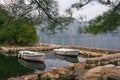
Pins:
x: 37, y: 58
x: 32, y: 56
x: 67, y: 52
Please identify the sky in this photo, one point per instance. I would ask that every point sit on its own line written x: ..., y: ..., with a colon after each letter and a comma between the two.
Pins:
x: 89, y: 11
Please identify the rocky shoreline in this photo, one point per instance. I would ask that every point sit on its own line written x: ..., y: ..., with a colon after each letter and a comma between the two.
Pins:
x: 99, y: 65
x: 47, y: 47
x: 76, y: 72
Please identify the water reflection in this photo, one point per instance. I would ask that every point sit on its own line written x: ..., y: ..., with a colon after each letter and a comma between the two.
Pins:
x: 33, y: 65
x: 104, y: 41
x: 10, y: 67
x: 51, y: 61
x: 68, y: 58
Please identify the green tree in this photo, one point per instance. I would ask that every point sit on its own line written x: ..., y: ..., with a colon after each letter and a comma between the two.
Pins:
x: 46, y: 11
x: 39, y: 11
x: 19, y: 31
x: 3, y: 16
x: 106, y: 23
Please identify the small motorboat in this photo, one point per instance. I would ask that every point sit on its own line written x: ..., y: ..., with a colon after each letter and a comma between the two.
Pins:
x: 67, y: 52
x: 32, y: 56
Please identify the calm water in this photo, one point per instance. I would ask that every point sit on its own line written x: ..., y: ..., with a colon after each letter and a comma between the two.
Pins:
x: 71, y: 36
x: 12, y: 66
x: 9, y: 66
x: 104, y: 41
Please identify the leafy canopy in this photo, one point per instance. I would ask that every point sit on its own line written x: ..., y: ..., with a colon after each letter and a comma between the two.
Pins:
x: 20, y: 31
x: 104, y: 24
x: 39, y: 11
x: 108, y: 22
x: 46, y: 11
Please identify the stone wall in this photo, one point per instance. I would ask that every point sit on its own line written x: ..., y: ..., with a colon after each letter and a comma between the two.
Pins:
x: 106, y: 59
x: 47, y: 47
x: 95, y: 49
x: 14, y: 50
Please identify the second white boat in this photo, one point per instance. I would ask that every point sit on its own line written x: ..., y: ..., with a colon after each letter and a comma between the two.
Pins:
x: 67, y: 52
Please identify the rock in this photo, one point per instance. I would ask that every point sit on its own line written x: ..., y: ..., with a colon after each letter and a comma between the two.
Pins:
x: 54, y: 70
x: 109, y: 66
x: 113, y: 77
x: 107, y: 72
x: 28, y: 77
x: 118, y: 67
x: 93, y: 74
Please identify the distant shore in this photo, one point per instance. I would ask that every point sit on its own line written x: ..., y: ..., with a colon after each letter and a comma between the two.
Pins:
x: 48, y: 47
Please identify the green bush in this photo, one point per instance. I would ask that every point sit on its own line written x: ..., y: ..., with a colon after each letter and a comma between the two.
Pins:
x: 16, y: 32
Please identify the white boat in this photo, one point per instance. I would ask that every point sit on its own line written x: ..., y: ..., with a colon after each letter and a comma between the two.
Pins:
x: 67, y: 52
x: 32, y: 56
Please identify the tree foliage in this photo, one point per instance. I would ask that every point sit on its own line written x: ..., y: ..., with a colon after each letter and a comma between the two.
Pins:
x: 83, y: 3
x: 3, y: 16
x: 108, y: 22
x: 20, y: 31
x: 46, y: 12
x: 39, y: 11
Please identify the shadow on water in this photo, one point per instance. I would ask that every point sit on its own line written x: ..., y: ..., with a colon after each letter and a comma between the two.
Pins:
x: 33, y: 65
x: 68, y: 58
x: 10, y: 67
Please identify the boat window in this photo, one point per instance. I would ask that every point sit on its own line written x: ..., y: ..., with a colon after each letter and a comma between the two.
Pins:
x: 26, y: 53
